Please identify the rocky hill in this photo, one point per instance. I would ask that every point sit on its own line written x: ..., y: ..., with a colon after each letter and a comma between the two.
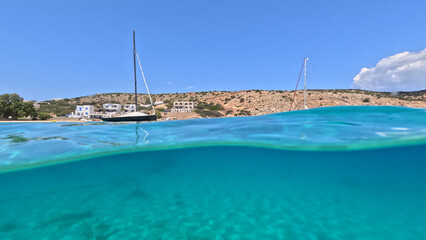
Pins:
x: 243, y: 103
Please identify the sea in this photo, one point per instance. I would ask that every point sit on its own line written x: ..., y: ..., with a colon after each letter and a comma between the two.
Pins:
x: 355, y: 172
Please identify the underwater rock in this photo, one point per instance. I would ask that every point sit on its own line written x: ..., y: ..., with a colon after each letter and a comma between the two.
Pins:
x: 135, y: 194
x: 70, y: 217
x: 100, y: 231
x: 9, y: 226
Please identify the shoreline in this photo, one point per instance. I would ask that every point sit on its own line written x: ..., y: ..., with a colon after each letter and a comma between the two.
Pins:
x: 62, y: 120
x: 37, y: 121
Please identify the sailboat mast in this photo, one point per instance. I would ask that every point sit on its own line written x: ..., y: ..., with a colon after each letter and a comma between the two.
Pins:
x: 304, y: 86
x: 134, y: 71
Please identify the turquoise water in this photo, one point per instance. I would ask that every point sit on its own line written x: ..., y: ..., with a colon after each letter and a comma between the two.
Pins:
x: 329, y: 173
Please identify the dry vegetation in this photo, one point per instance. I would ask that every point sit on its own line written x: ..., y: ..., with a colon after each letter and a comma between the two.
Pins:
x: 245, y: 103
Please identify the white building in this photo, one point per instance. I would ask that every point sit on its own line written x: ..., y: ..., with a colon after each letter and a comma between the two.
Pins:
x: 83, y: 111
x: 112, y: 107
x: 129, y: 108
x: 183, y: 107
x: 36, y: 104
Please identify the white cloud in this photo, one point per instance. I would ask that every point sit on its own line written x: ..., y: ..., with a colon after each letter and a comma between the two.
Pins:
x: 190, y: 87
x: 404, y: 71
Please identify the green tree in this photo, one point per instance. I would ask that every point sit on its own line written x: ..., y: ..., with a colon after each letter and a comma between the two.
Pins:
x: 27, y: 109
x: 6, y: 102
x: 14, y: 106
x: 44, y: 116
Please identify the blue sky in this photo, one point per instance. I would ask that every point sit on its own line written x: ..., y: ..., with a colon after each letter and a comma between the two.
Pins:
x: 73, y: 48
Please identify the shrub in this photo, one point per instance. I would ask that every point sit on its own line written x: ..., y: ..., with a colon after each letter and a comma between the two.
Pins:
x: 228, y: 112
x: 209, y: 113
x: 244, y: 113
x: 209, y: 106
x: 241, y: 100
x: 169, y: 104
x: 366, y: 100
x: 44, y: 116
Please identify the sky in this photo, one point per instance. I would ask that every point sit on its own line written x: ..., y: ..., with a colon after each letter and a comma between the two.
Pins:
x: 61, y: 49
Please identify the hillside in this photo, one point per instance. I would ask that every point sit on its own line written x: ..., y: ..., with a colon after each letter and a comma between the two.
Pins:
x: 243, y: 103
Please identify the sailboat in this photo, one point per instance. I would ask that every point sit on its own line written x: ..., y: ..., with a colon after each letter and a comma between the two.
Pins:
x: 304, y: 87
x: 135, y: 116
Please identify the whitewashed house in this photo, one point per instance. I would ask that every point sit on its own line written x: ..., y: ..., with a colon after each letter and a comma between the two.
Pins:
x: 36, y: 104
x: 83, y: 111
x: 110, y: 109
x: 128, y: 108
x: 183, y: 107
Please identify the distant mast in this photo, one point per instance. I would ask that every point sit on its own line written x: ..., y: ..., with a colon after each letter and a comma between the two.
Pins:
x: 134, y: 71
x: 304, y: 86
x: 297, y: 84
